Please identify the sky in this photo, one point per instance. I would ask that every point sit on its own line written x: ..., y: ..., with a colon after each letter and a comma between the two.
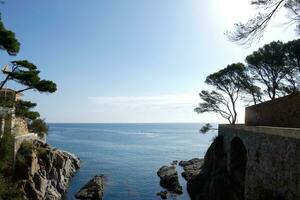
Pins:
x: 117, y: 61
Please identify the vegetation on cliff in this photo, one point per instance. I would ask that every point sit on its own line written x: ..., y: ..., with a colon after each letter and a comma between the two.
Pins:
x: 27, y: 76
x: 8, y: 188
x: 37, y: 172
x: 42, y: 172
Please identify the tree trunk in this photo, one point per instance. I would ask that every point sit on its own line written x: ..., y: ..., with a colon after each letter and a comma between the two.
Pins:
x: 3, y: 82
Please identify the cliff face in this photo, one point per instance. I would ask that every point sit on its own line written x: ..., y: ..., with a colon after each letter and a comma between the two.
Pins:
x: 43, y: 172
x: 213, y: 182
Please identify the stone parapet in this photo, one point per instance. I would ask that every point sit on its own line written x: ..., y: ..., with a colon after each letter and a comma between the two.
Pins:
x: 281, y: 112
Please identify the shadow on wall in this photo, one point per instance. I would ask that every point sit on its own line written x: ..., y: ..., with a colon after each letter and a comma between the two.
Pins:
x: 238, y: 163
x: 223, y: 180
x: 215, y: 182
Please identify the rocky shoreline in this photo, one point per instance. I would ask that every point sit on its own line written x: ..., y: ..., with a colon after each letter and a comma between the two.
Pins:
x: 93, y: 190
x: 169, y: 177
x: 43, y: 172
x: 191, y: 168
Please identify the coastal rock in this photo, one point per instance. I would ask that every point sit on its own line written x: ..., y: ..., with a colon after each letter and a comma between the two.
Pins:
x: 163, y: 194
x: 213, y: 181
x: 42, y: 172
x: 169, y: 179
x: 191, y: 167
x: 174, y: 162
x: 93, y: 190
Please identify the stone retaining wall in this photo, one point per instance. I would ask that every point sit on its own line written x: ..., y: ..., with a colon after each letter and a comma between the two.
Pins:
x: 273, y: 164
x: 20, y: 127
x: 281, y: 112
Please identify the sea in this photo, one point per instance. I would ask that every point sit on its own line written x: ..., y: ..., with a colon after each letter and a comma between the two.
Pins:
x: 129, y: 155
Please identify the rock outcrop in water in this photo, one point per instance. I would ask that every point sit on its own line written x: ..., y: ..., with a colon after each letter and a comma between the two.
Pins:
x: 42, y: 172
x: 169, y: 179
x: 163, y: 194
x: 191, y: 167
x: 93, y: 190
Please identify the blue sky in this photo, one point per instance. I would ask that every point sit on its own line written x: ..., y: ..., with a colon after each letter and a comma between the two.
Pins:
x: 127, y: 61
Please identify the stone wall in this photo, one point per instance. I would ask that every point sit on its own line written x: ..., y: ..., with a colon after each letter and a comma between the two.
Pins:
x: 20, y: 127
x: 272, y: 163
x: 281, y: 112
x: 12, y: 124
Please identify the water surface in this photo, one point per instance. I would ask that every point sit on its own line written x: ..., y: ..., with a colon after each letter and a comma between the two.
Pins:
x: 129, y: 155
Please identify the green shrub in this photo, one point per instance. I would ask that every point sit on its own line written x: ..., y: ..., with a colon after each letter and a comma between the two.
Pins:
x: 38, y: 126
x: 7, y: 99
x: 6, y: 154
x: 8, y: 189
x: 23, y: 161
x: 23, y: 110
x: 41, y: 152
x: 24, y: 151
x: 26, y: 148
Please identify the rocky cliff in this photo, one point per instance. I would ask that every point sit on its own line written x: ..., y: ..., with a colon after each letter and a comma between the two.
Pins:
x: 43, y: 172
x: 213, y: 182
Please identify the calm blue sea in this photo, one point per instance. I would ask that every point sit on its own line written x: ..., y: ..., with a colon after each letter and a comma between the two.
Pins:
x: 129, y: 155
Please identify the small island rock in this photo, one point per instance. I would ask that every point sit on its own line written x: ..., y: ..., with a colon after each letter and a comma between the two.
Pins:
x: 93, y: 190
x: 163, y: 194
x: 169, y: 179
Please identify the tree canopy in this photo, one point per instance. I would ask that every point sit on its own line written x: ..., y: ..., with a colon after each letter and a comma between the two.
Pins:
x: 292, y: 50
x: 270, y: 72
x: 26, y: 74
x: 8, y: 41
x: 246, y: 33
x: 267, y: 67
x: 228, y: 86
x: 275, y: 69
x: 38, y: 126
x: 23, y: 109
x: 251, y: 92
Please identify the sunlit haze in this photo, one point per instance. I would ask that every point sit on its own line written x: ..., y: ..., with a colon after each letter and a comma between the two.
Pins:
x: 128, y: 61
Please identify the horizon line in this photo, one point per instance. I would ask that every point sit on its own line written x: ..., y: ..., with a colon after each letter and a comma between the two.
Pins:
x: 132, y: 122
